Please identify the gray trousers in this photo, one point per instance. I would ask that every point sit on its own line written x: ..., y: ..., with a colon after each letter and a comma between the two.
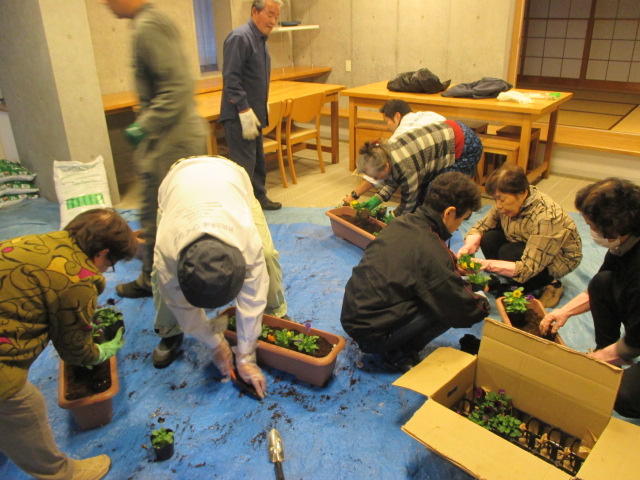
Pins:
x: 152, y: 160
x: 27, y: 439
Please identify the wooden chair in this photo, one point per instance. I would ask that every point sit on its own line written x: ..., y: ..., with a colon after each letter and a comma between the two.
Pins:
x: 272, y: 135
x: 304, y: 110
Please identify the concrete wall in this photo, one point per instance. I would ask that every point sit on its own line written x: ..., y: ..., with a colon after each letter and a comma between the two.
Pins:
x: 461, y: 40
x: 111, y: 39
x: 50, y: 83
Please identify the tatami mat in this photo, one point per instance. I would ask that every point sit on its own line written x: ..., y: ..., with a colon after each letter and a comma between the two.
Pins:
x: 611, y: 108
x: 584, y: 119
x: 587, y: 119
x: 629, y: 124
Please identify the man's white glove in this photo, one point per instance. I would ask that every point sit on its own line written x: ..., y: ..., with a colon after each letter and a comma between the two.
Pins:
x: 250, y: 372
x: 223, y: 358
x: 250, y: 124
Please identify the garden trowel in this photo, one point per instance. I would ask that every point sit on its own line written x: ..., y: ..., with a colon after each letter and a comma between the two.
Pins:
x: 276, y: 452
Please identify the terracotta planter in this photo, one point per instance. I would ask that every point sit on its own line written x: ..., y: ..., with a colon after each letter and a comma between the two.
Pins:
x: 534, y: 305
x: 94, y: 410
x: 344, y: 229
x: 316, y: 371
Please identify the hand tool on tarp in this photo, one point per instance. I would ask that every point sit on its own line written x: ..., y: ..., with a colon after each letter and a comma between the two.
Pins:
x: 276, y: 452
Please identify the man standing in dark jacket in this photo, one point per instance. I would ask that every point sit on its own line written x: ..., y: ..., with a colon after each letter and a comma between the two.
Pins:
x: 246, y: 73
x: 406, y: 290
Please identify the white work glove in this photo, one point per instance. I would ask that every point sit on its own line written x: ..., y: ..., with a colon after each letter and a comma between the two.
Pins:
x: 223, y: 359
x: 250, y: 372
x: 514, y: 96
x: 471, y: 245
x: 250, y: 124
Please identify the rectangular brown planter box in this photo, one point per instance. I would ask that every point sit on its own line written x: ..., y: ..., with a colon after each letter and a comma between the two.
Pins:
x: 343, y: 229
x: 534, y: 305
x: 94, y: 410
x: 316, y: 371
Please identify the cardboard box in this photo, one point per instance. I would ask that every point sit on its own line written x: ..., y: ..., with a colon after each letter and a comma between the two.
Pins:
x: 563, y: 387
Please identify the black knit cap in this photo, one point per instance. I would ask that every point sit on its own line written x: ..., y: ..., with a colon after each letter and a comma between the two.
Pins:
x: 210, y: 272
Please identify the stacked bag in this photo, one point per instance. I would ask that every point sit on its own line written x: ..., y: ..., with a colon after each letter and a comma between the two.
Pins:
x: 16, y: 184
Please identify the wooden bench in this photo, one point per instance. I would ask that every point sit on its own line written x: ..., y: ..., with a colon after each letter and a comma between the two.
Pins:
x: 514, y: 131
x: 496, y: 151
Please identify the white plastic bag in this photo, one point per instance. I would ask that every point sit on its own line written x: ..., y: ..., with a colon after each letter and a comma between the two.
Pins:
x: 80, y: 187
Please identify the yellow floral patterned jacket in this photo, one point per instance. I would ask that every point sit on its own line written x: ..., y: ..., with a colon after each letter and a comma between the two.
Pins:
x: 48, y: 291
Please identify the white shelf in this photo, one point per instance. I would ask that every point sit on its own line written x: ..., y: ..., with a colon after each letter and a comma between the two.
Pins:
x: 295, y: 29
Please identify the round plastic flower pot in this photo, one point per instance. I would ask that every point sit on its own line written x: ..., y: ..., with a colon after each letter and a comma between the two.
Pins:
x: 164, y: 452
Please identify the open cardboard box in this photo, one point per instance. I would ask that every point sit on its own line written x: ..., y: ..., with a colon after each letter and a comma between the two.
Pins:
x: 565, y: 388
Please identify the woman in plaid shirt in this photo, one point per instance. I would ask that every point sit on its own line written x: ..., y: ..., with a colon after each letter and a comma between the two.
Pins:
x: 526, y: 237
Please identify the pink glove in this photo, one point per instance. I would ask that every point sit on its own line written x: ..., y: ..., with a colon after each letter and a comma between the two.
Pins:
x: 223, y: 358
x: 250, y: 372
x: 471, y: 244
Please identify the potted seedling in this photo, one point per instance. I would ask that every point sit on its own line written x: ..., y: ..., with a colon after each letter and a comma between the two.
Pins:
x: 524, y: 312
x: 356, y: 224
x: 292, y: 347
x: 475, y: 277
x: 88, y: 391
x: 162, y: 440
x: 515, y: 304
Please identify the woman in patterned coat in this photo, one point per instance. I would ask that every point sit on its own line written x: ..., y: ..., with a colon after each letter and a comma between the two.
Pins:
x: 526, y: 237
x: 49, y: 287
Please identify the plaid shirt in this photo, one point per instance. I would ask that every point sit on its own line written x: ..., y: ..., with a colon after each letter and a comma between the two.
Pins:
x: 415, y: 158
x: 414, y: 120
x: 550, y: 234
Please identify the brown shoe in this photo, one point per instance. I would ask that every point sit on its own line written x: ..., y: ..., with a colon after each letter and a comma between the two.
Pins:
x: 551, y: 294
x: 93, y: 468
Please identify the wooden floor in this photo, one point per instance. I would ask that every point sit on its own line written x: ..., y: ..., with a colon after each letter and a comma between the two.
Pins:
x: 316, y: 189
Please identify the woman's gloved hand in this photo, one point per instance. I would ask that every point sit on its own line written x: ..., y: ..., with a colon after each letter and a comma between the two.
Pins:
x: 251, y: 373
x: 110, y: 348
x: 372, y: 203
x: 223, y: 358
x: 388, y: 217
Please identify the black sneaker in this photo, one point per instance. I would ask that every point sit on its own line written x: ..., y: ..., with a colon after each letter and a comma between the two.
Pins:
x: 400, y: 361
x: 267, y: 204
x: 167, y: 350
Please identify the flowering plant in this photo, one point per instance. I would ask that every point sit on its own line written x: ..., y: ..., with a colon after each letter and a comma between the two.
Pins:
x: 467, y: 263
x: 493, y: 412
x: 105, y: 323
x: 283, y: 337
x: 515, y: 301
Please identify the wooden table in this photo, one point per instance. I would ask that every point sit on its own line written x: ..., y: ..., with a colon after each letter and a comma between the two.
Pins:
x: 122, y: 101
x: 375, y: 95
x: 208, y: 106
